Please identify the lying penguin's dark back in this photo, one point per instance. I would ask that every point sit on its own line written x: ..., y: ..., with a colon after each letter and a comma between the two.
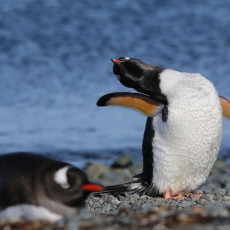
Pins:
x: 40, y: 181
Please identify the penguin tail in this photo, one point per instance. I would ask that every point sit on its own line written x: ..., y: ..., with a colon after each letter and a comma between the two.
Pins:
x: 126, y: 187
x: 138, y: 185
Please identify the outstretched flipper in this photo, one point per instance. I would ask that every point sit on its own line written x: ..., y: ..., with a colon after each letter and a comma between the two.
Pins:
x: 225, y: 104
x: 140, y: 102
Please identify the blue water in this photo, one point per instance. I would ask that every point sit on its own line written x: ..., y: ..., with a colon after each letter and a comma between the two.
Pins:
x: 55, y: 64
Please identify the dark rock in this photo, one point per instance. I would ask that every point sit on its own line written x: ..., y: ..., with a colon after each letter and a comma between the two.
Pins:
x: 123, y: 161
x: 136, y: 169
x: 220, y: 165
x: 207, y: 190
x: 95, y: 171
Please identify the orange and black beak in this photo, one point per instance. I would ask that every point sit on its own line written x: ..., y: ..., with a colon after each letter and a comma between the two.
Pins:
x: 92, y: 187
x: 115, y: 61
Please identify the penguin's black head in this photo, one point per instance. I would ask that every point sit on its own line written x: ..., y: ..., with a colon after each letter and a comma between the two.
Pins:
x: 70, y: 186
x: 144, y: 78
x: 140, y: 76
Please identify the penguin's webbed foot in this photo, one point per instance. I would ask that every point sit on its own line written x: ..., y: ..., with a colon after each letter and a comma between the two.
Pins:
x: 193, y: 195
x: 168, y: 196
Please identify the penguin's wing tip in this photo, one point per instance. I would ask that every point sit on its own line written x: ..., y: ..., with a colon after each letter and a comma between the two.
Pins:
x: 102, y: 100
x: 225, y: 104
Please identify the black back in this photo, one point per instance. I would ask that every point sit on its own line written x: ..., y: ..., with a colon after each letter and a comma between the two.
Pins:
x: 29, y: 179
x: 147, y: 151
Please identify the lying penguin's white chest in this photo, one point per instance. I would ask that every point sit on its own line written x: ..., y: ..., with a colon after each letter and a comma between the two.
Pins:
x: 186, y: 146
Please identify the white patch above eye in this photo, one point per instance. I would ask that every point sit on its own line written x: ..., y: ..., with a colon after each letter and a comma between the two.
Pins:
x: 127, y: 58
x: 60, y: 177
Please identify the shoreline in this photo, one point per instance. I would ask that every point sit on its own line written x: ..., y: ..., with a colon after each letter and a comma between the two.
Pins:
x: 131, y: 211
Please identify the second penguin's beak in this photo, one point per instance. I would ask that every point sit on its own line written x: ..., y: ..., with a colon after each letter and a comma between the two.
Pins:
x: 92, y: 187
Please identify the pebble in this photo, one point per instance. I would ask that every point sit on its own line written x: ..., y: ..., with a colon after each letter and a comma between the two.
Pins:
x: 95, y: 171
x: 123, y: 161
x: 214, y: 203
x: 134, y: 211
x: 207, y: 190
x: 101, y: 201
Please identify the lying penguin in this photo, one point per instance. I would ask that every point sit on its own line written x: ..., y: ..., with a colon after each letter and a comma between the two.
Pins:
x: 35, y: 187
x: 184, y: 127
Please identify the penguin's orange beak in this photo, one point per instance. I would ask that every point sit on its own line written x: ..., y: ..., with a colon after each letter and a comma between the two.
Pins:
x: 115, y: 61
x: 92, y: 187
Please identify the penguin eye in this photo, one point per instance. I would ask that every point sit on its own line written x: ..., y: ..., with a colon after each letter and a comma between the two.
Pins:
x: 123, y: 58
x: 135, y: 70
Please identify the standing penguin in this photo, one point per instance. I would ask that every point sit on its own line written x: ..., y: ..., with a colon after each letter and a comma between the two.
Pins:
x: 34, y: 187
x: 184, y: 127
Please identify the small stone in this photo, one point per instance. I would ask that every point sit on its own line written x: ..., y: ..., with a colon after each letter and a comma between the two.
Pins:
x: 136, y: 196
x: 158, y: 200
x: 227, y: 192
x: 165, y: 213
x: 95, y: 171
x: 182, y: 216
x: 223, y: 227
x: 90, y: 202
x: 199, y: 192
x: 126, y: 174
x: 209, y: 197
x: 227, y: 198
x: 212, y: 202
x: 224, y: 213
x: 136, y: 169
x: 219, y: 191
x: 115, y: 201
x: 202, y: 201
x: 207, y: 190
x: 101, y: 201
x: 195, y: 199
x: 211, y: 186
x: 122, y: 198
x: 220, y: 165
x: 185, y: 204
x: 123, y: 161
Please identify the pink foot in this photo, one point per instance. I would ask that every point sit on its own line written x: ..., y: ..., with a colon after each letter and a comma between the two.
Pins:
x: 168, y: 196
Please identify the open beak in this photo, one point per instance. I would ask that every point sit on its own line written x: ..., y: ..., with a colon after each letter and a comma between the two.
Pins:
x: 92, y: 187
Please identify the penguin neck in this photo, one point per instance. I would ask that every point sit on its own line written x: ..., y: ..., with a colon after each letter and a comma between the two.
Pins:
x: 147, y: 151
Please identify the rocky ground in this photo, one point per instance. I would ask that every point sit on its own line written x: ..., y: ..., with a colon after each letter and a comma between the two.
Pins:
x: 131, y: 211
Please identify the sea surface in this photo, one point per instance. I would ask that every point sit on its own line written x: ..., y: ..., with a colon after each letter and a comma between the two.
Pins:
x: 55, y: 64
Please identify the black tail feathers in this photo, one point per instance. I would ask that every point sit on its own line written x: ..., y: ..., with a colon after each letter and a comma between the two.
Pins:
x: 126, y: 187
x: 138, y: 185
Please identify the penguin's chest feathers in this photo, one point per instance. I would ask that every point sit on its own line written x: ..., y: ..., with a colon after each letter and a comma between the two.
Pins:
x: 186, y: 145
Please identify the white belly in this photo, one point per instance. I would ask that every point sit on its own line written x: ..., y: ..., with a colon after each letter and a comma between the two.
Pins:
x: 186, y: 146
x: 28, y: 212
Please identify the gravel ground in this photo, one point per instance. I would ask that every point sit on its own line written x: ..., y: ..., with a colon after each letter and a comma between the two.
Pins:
x: 131, y: 211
